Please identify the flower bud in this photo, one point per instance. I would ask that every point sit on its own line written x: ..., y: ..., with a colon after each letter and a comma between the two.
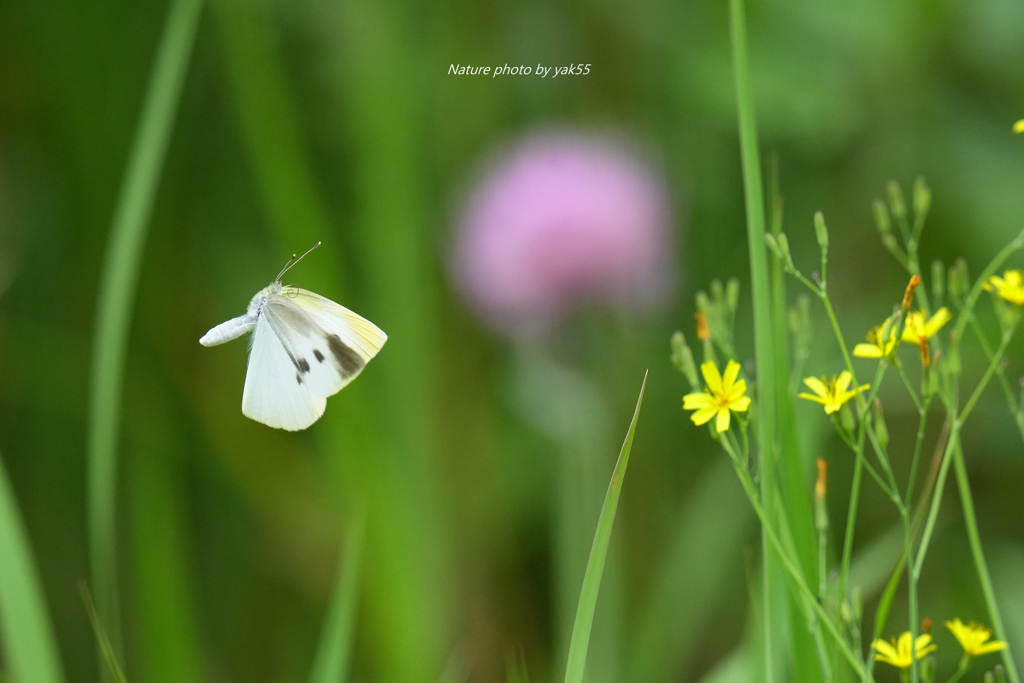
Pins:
x: 846, y: 418
x: 881, y: 431
x: 682, y: 359
x: 820, y: 230
x: 784, y: 249
x: 857, y: 599
x: 922, y: 200
x: 1000, y: 673
x: 882, y: 221
x: 703, y: 302
x: 928, y: 669
x: 908, y: 295
x: 732, y: 294
x: 820, y: 490
x: 717, y: 292
x: 896, y: 203
x: 938, y: 282
x: 703, y: 333
x: 958, y: 282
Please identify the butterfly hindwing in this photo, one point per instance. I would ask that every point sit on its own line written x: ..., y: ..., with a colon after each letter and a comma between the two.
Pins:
x: 272, y: 394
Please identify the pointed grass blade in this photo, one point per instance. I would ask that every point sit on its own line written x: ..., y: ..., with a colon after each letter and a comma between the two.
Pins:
x: 598, y: 554
x: 331, y: 664
x: 26, y: 635
x: 102, y: 639
x: 117, y: 293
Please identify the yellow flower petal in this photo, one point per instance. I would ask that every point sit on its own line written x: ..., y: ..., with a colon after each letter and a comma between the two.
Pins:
x: 697, y: 400
x: 810, y: 397
x: 843, y: 382
x: 703, y: 415
x: 732, y: 370
x: 720, y: 397
x: 974, y: 638
x: 867, y: 351
x: 941, y: 317
x: 1019, y: 126
x: 722, y: 424
x: 738, y: 390
x: 711, y: 376
x: 817, y: 386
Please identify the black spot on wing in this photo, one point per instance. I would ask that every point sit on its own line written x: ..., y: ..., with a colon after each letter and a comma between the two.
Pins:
x: 319, y: 356
x: 350, y: 361
x: 302, y: 364
x: 298, y: 378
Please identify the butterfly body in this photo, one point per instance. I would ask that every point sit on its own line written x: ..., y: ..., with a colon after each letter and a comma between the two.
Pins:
x: 305, y: 348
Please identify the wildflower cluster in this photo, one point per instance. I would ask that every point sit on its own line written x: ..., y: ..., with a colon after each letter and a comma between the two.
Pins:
x: 933, y: 321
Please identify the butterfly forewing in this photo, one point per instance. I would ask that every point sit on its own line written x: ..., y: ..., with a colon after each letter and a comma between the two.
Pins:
x: 318, y: 359
x: 272, y: 395
x: 354, y: 331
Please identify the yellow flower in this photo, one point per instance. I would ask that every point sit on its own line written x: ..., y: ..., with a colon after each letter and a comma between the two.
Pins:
x: 721, y: 395
x: 877, y: 346
x: 832, y: 393
x: 1019, y: 126
x: 1010, y: 286
x: 897, y: 652
x: 918, y: 331
x: 973, y: 638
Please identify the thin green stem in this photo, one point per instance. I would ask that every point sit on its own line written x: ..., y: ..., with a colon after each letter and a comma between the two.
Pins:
x: 851, y: 519
x: 871, y: 470
x: 859, y: 461
x: 933, y: 512
x: 794, y: 573
x: 972, y: 298
x: 921, y: 425
x: 980, y: 565
x: 1011, y: 401
x: 909, y: 387
x: 117, y: 294
x: 993, y: 364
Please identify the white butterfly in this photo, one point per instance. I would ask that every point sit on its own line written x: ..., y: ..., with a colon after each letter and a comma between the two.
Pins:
x: 305, y: 348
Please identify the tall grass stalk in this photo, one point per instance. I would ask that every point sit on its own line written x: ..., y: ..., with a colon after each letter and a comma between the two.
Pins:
x: 598, y: 554
x: 26, y: 634
x: 764, y: 351
x: 117, y: 294
x: 331, y: 663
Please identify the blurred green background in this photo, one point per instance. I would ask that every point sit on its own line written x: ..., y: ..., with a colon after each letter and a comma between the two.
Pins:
x: 313, y: 120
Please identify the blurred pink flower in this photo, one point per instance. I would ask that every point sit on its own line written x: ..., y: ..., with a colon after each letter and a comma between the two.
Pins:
x: 561, y: 220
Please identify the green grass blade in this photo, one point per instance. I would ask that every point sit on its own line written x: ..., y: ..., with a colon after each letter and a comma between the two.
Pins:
x: 117, y: 293
x: 764, y: 341
x: 26, y: 635
x: 270, y: 130
x: 102, y: 639
x: 598, y: 553
x: 331, y: 664
x: 707, y: 537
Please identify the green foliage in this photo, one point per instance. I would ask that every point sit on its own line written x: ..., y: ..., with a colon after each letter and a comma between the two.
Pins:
x: 26, y: 635
x: 299, y: 122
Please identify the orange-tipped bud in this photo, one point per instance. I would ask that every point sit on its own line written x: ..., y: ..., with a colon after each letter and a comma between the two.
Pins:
x: 926, y: 625
x: 702, y: 327
x: 926, y: 356
x: 908, y: 296
x: 821, y: 486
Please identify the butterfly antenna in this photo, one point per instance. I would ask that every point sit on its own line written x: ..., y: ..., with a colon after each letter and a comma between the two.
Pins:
x: 293, y: 260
